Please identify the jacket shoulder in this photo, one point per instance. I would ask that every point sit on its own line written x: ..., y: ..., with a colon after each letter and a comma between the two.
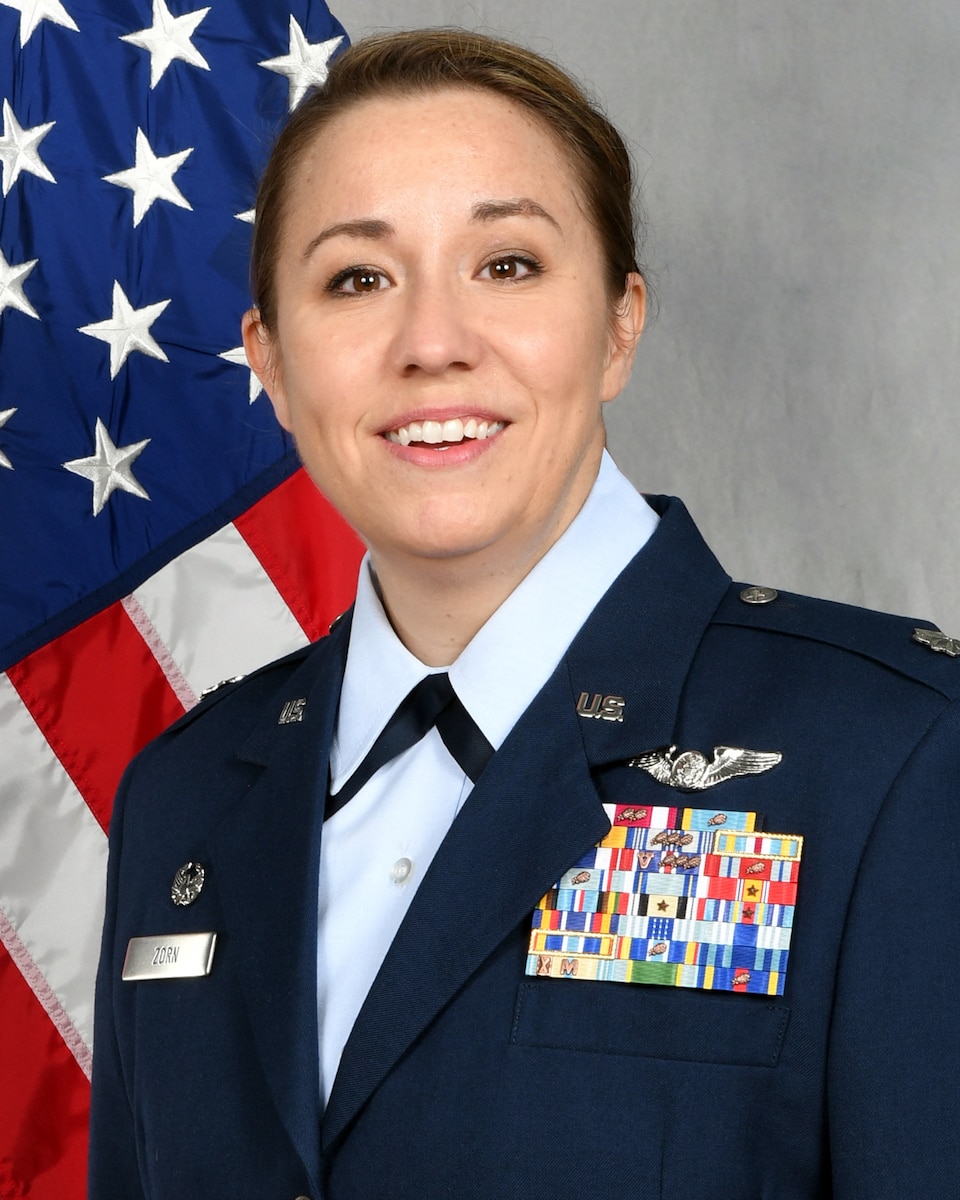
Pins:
x: 246, y: 689
x: 914, y: 648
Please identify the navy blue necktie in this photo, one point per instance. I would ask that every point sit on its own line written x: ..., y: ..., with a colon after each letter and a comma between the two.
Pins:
x: 432, y: 702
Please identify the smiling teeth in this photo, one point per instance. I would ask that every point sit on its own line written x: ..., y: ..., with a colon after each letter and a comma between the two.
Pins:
x: 433, y: 433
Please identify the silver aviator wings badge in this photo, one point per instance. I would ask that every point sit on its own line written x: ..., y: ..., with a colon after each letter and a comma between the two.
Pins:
x: 692, y: 772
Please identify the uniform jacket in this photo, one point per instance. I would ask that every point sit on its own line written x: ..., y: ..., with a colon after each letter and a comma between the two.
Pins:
x: 465, y: 1078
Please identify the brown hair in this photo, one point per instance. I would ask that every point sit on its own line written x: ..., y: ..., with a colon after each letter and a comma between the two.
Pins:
x: 430, y: 59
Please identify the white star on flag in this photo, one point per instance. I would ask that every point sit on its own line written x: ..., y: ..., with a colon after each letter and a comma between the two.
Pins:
x: 32, y: 12
x: 4, y: 418
x: 18, y: 149
x: 109, y: 467
x: 238, y: 356
x: 249, y: 215
x: 151, y: 178
x: 168, y: 38
x: 306, y: 65
x: 12, y: 276
x: 127, y: 329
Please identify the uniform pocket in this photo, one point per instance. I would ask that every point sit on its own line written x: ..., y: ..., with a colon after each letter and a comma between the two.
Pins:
x: 650, y: 1022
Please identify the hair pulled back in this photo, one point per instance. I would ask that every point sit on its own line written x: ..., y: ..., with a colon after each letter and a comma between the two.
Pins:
x: 424, y: 60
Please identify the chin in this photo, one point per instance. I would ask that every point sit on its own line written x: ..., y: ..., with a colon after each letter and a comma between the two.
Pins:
x: 449, y: 548
x: 439, y: 543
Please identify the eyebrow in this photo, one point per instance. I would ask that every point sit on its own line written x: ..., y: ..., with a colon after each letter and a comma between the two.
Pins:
x: 365, y: 228
x: 485, y: 210
x: 495, y: 210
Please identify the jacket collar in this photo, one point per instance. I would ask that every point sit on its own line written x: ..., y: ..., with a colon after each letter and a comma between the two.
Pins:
x: 644, y: 635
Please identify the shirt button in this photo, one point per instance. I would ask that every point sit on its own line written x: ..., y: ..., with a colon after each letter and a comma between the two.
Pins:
x: 401, y: 871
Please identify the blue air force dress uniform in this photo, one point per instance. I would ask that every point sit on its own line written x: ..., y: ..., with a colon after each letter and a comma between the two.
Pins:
x: 693, y: 932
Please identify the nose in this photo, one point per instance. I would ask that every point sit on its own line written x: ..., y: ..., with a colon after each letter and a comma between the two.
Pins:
x: 436, y: 331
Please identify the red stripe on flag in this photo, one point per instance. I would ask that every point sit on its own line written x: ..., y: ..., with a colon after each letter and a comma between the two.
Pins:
x: 98, y: 696
x: 44, y: 1100
x: 307, y: 549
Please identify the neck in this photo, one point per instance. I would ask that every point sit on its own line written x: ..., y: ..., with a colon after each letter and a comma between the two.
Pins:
x: 437, y: 604
x: 436, y: 607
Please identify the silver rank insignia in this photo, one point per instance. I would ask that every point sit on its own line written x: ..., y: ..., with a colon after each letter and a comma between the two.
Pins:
x: 187, y: 884
x: 938, y: 641
x: 691, y: 772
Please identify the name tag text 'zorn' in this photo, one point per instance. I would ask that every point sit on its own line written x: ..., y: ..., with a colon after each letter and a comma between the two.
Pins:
x: 169, y: 956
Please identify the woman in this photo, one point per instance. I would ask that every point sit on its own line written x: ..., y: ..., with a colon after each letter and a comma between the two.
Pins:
x: 446, y: 989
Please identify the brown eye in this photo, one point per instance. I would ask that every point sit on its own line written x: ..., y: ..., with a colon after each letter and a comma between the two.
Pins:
x: 512, y: 267
x: 362, y: 281
x: 357, y: 281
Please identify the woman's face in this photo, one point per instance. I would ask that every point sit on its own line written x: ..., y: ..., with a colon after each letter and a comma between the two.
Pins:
x: 443, y: 339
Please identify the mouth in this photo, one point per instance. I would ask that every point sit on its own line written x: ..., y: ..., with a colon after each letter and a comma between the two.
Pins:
x: 442, y: 434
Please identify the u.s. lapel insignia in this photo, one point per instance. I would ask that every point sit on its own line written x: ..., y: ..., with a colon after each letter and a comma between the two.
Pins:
x: 691, y: 771
x: 937, y: 641
x: 187, y: 884
x: 292, y: 711
x: 605, y: 708
x: 680, y: 897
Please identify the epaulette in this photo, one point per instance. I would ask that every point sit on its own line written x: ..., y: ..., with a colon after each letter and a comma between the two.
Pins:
x: 914, y: 648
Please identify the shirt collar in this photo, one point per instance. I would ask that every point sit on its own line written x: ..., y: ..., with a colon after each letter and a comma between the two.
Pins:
x: 514, y: 654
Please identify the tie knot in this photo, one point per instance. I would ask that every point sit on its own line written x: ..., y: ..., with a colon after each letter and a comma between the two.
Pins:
x: 424, y: 703
x: 431, y: 702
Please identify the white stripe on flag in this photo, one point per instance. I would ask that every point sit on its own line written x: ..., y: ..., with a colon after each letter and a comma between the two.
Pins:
x: 53, y: 861
x: 179, y: 684
x: 42, y: 990
x: 217, y: 612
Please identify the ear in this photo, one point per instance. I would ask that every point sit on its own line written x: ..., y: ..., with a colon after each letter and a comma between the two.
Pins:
x: 626, y: 326
x: 261, y: 353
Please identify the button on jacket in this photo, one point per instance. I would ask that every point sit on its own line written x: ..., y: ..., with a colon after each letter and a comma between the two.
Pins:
x: 462, y: 1076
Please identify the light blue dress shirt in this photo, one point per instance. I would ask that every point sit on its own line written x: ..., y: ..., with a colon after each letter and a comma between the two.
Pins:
x: 376, y: 849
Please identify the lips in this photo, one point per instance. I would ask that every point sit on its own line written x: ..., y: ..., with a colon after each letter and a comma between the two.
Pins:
x: 443, y: 433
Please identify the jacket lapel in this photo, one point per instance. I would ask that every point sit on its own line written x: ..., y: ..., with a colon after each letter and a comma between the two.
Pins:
x: 642, y: 638
x: 536, y: 809
x: 502, y: 853
x: 266, y: 854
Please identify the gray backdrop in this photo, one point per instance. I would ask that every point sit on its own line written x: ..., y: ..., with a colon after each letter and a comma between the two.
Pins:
x: 801, y: 169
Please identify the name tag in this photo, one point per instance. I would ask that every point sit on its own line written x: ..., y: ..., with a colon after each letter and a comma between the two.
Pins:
x: 169, y: 956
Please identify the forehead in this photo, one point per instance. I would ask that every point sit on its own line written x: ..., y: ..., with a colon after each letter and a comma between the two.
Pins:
x: 450, y: 140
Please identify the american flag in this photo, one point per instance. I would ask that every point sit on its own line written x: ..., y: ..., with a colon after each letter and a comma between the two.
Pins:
x: 156, y: 535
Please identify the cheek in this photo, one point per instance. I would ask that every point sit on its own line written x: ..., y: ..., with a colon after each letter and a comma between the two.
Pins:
x: 577, y: 349
x: 308, y: 389
x: 325, y: 412
x: 547, y: 360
